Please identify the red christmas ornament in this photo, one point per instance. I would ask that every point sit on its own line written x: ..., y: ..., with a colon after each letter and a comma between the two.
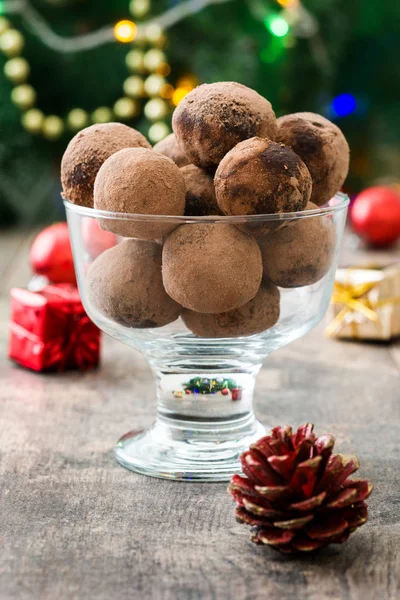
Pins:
x: 375, y: 215
x: 95, y: 239
x: 225, y: 391
x: 51, y: 254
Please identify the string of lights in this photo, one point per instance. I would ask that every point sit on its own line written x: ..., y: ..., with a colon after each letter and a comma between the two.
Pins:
x: 145, y: 89
x: 293, y: 18
x: 39, y: 26
x: 148, y: 68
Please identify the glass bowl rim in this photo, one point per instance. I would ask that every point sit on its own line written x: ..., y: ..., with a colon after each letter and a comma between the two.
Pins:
x: 341, y: 198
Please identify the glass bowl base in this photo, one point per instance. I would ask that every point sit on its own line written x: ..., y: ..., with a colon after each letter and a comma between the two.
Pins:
x: 188, y: 453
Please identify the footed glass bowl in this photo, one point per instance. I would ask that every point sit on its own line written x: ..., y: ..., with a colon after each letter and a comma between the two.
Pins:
x: 205, y: 382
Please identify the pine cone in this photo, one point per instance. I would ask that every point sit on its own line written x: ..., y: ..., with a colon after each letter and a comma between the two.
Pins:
x: 296, y: 493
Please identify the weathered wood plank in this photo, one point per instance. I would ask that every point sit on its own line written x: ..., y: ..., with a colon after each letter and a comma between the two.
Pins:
x: 395, y: 354
x: 75, y: 525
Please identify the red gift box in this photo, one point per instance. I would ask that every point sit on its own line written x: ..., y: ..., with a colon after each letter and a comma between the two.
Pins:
x: 236, y: 393
x: 50, y: 331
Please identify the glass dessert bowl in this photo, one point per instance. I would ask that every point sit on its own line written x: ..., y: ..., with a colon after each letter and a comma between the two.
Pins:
x: 206, y: 303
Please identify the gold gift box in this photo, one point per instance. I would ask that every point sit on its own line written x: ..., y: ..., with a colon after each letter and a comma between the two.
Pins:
x: 365, y: 304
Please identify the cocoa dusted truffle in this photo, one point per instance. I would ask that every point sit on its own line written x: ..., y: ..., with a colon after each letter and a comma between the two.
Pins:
x: 323, y: 148
x: 124, y: 283
x: 259, y: 177
x: 170, y: 147
x: 257, y: 315
x: 300, y: 254
x: 87, y: 151
x: 211, y: 268
x: 200, y: 193
x: 214, y: 117
x: 139, y: 181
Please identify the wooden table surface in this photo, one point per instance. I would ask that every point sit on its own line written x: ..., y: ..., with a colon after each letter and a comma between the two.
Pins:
x: 74, y: 524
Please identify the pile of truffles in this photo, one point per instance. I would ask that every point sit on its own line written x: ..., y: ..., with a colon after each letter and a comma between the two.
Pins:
x: 228, y: 155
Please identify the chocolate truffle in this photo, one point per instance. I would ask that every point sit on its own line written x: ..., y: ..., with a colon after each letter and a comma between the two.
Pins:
x: 300, y: 254
x: 214, y: 117
x: 259, y: 177
x: 257, y: 315
x: 200, y: 193
x: 211, y: 268
x: 323, y: 148
x: 87, y: 151
x: 124, y: 283
x: 139, y: 181
x: 170, y: 147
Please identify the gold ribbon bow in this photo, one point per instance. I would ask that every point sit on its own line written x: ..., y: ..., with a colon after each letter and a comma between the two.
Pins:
x: 355, y: 299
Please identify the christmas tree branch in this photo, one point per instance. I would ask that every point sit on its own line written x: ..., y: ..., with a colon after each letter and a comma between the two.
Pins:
x: 39, y: 26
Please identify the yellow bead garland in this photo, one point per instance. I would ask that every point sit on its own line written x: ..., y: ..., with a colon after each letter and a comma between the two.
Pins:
x: 153, y: 59
x: 32, y: 120
x: 134, y: 86
x: 77, y: 119
x: 17, y: 69
x: 158, y: 131
x: 155, y: 109
x: 24, y: 96
x: 139, y: 8
x: 147, y: 71
x: 125, y: 108
x: 153, y: 85
x: 103, y: 114
x: 11, y: 42
x: 135, y: 61
x: 53, y: 127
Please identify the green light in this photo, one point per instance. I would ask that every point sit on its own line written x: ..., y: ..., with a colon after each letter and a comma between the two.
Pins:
x: 277, y: 25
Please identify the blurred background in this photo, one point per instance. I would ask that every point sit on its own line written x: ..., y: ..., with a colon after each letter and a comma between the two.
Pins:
x: 65, y: 64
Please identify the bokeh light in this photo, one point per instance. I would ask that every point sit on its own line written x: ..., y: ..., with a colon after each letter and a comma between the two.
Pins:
x: 125, y: 31
x: 167, y: 91
x: 277, y: 25
x: 343, y: 105
x: 179, y: 95
x: 164, y: 69
x: 288, y: 3
x: 184, y: 85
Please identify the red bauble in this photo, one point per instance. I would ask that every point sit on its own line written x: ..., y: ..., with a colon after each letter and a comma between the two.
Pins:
x: 225, y: 391
x: 95, y: 239
x: 51, y: 254
x: 375, y: 215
